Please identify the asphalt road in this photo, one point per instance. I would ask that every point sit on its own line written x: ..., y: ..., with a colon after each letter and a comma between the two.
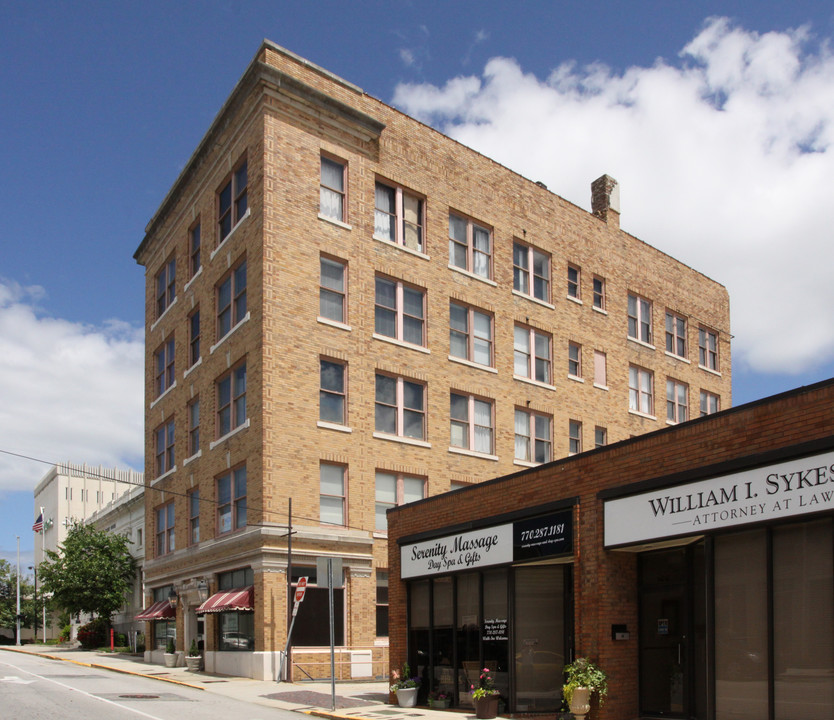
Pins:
x: 35, y: 688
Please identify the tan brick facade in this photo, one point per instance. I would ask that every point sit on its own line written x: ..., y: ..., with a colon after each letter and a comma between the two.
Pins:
x: 283, y: 117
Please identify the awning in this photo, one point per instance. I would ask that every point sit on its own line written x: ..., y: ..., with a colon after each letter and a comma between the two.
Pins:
x: 229, y: 600
x: 158, y: 611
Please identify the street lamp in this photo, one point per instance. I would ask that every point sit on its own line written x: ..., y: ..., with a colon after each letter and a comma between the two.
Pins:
x: 34, y: 569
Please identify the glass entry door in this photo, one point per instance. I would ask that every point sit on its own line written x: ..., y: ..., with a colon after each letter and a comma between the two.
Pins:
x: 665, y: 635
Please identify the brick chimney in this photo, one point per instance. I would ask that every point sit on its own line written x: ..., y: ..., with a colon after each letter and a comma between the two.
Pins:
x: 605, y: 200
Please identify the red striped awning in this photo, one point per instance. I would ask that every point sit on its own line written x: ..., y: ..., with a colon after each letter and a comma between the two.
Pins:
x: 229, y: 600
x: 158, y: 611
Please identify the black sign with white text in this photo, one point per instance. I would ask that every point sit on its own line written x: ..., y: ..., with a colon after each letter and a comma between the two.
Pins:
x: 543, y: 536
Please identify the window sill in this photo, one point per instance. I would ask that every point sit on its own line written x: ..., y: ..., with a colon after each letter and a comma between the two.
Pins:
x: 394, y: 341
x: 230, y: 235
x: 574, y: 299
x: 601, y: 387
x: 333, y: 426
x: 162, y: 317
x: 674, y: 422
x: 334, y: 221
x: 678, y: 357
x: 472, y: 275
x: 709, y: 370
x: 641, y: 343
x: 471, y: 364
x: 381, y: 534
x: 473, y: 453
x: 575, y: 378
x: 196, y: 455
x: 164, y: 475
x: 193, y: 278
x: 229, y: 334
x: 642, y: 414
x: 333, y: 323
x: 536, y: 300
x: 525, y: 463
x: 193, y: 367
x: 161, y: 397
x: 417, y: 253
x: 401, y: 439
x: 229, y: 434
x: 537, y: 383
x: 601, y: 311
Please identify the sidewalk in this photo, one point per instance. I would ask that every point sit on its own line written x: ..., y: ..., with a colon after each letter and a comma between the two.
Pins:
x: 354, y: 701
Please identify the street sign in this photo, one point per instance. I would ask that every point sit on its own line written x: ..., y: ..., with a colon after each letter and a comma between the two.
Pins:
x: 300, y: 589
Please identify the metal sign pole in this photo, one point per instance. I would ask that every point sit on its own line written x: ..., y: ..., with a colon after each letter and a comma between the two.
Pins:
x: 332, y: 636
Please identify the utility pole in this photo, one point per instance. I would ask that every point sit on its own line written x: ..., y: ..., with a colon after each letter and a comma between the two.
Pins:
x: 17, y: 642
x: 34, y: 569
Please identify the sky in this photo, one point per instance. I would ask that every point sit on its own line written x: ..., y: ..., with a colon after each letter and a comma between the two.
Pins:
x: 716, y: 118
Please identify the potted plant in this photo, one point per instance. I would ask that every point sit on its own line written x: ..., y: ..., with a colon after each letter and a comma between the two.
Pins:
x: 485, y: 697
x: 170, y: 654
x: 583, y: 678
x: 193, y: 659
x: 405, y: 687
x: 439, y: 699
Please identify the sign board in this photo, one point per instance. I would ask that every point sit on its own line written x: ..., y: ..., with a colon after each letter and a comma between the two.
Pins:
x: 543, y: 536
x: 300, y: 589
x: 796, y: 487
x: 321, y: 572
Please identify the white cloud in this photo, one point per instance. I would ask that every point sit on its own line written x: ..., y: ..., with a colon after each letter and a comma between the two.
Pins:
x: 725, y: 158
x: 69, y: 391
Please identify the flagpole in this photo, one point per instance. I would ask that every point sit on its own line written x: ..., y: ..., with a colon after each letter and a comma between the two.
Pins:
x: 17, y: 619
x: 43, y: 557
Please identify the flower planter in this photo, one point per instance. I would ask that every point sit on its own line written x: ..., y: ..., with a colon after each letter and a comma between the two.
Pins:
x: 580, y: 703
x: 170, y: 659
x: 439, y: 704
x: 193, y: 662
x: 407, y: 697
x: 486, y: 707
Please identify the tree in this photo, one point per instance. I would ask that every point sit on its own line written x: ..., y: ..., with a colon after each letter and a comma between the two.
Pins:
x: 92, y: 572
x: 8, y: 598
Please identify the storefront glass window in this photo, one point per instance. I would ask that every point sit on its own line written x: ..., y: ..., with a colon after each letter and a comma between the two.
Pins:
x: 741, y: 626
x: 468, y: 638
x: 443, y: 630
x: 803, y: 619
x: 418, y: 628
x: 496, y: 629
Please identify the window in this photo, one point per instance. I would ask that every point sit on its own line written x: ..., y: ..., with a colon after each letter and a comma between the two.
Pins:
x: 166, y: 287
x: 599, y: 292
x: 165, y: 529
x: 640, y: 390
x: 231, y: 300
x: 235, y: 628
x: 393, y: 489
x: 232, y: 202
x: 574, y: 437
x: 194, y: 249
x: 675, y: 334
x: 231, y: 500
x: 708, y: 349
x: 332, y: 494
x: 600, y: 436
x: 573, y: 282
x: 400, y: 407
x: 398, y: 217
x: 193, y: 427
x: 193, y: 337
x: 677, y: 405
x: 639, y: 319
x: 165, y: 447
x: 164, y: 363
x: 470, y: 246
x: 531, y: 354
x: 231, y: 400
x: 333, y: 392
x: 600, y: 369
x: 531, y: 271
x: 574, y: 360
x: 333, y: 290
x: 709, y: 403
x: 400, y: 311
x: 194, y: 517
x: 470, y: 334
x: 382, y: 603
x: 472, y: 423
x: 332, y: 191
x: 533, y: 435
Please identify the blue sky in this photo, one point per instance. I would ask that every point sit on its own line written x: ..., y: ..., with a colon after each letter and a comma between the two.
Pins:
x: 721, y: 133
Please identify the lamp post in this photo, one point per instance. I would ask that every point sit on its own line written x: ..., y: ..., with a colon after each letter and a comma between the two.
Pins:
x: 34, y: 569
x: 17, y: 617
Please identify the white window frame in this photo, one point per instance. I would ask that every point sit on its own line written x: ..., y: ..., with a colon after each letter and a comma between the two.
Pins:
x: 600, y: 436
x: 469, y: 334
x: 327, y: 290
x: 574, y: 437
x: 599, y: 293
x: 708, y: 349
x: 676, y: 336
x: 677, y: 406
x: 164, y: 447
x: 639, y: 318
x: 333, y: 499
x: 640, y: 399
x: 470, y: 251
x: 708, y: 398
x: 469, y: 423
x: 397, y: 219
x: 326, y: 190
x: 399, y: 494
x: 332, y: 392
x: 399, y: 406
x: 574, y: 360
x: 533, y: 440
x: 237, y: 183
x: 574, y: 278
x: 166, y: 286
x: 165, y: 375
x: 398, y: 311
x: 525, y: 278
x: 532, y: 359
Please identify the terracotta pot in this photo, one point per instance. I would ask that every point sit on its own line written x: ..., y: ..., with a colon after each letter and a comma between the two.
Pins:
x: 580, y: 703
x: 486, y: 707
x: 407, y: 697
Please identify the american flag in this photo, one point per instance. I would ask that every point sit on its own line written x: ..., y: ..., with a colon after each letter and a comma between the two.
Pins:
x: 38, y: 526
